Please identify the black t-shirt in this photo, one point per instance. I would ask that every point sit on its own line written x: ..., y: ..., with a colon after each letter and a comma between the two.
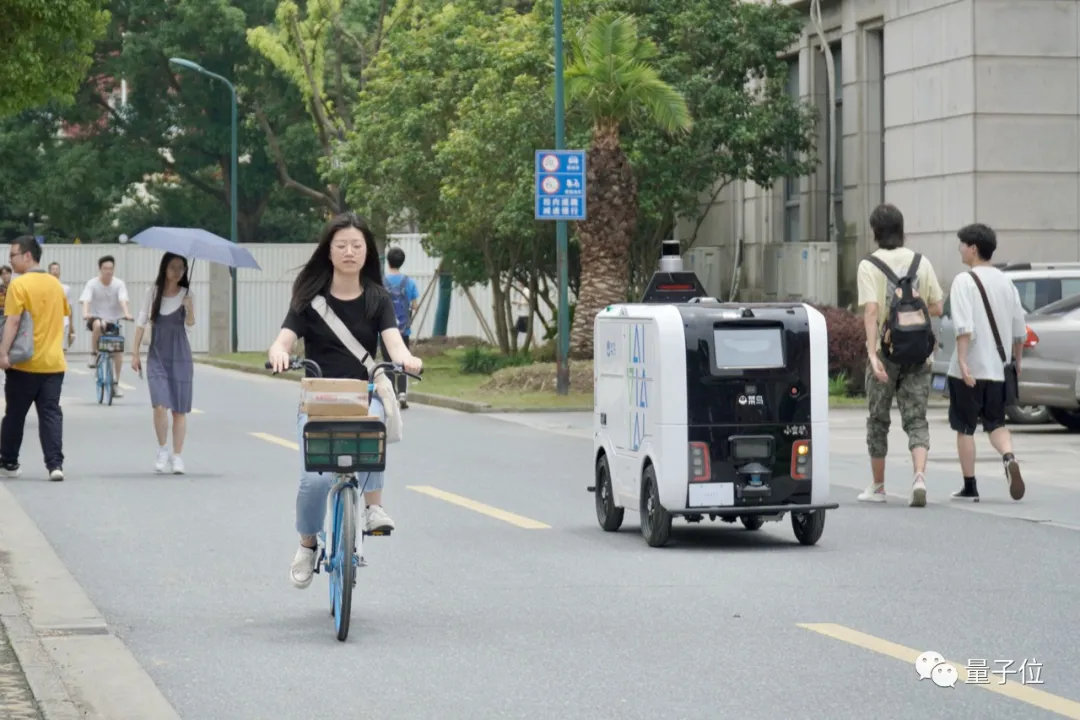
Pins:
x: 366, y: 316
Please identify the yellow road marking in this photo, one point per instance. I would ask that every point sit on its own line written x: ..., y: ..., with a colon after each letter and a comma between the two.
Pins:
x: 276, y: 440
x: 513, y: 519
x: 1023, y: 693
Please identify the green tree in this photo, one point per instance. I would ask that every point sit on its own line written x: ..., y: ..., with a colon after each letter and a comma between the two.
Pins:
x: 178, y: 122
x: 611, y: 77
x: 46, y: 49
x: 726, y: 57
x: 323, y: 51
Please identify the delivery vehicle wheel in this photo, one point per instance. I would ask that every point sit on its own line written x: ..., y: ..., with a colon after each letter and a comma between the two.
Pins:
x: 752, y: 522
x: 1028, y: 414
x: 808, y: 526
x: 655, y: 520
x: 1069, y: 418
x: 609, y: 516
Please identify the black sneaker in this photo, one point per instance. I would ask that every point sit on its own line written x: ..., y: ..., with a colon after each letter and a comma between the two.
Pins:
x: 10, y: 470
x: 1015, y: 480
x: 971, y: 493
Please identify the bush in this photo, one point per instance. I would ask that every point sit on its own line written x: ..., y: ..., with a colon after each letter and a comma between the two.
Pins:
x: 847, y: 344
x: 479, y: 360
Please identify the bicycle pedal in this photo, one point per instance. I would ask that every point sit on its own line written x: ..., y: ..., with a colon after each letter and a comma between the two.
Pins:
x: 378, y: 533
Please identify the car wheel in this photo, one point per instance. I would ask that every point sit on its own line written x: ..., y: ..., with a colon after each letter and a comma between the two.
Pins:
x: 1068, y: 418
x: 1028, y: 414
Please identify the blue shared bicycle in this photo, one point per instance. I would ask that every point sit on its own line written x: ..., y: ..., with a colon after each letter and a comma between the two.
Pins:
x: 344, y: 448
x: 111, y: 341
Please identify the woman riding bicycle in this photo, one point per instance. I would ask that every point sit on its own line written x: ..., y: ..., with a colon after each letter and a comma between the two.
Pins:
x: 345, y: 270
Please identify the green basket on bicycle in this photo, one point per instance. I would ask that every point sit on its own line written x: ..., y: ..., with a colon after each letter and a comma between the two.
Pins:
x: 110, y: 344
x: 344, y: 446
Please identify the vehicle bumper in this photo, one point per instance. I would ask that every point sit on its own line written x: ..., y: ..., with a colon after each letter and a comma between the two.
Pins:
x: 739, y: 511
x: 1049, y: 385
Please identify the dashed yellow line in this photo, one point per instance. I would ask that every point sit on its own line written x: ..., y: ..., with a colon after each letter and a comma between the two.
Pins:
x: 1016, y: 690
x: 276, y: 440
x: 509, y: 517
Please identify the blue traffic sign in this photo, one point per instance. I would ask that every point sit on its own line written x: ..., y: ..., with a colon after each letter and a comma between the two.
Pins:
x: 560, y: 184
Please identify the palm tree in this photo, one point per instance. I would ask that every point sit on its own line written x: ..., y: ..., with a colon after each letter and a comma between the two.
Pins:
x: 610, y: 78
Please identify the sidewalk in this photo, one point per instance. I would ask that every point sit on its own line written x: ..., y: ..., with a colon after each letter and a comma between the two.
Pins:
x: 16, y: 700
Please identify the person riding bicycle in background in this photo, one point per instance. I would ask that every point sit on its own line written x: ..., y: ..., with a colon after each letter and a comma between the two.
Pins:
x: 405, y: 296
x: 104, y: 301
x: 170, y: 371
x: 344, y: 268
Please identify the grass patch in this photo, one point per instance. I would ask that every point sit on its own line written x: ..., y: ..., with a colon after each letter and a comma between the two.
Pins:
x: 513, y: 387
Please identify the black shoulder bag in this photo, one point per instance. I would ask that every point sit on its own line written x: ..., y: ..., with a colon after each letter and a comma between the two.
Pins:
x: 1012, y: 378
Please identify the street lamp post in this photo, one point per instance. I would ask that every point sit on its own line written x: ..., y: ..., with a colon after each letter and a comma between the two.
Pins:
x: 562, y: 375
x: 232, y: 182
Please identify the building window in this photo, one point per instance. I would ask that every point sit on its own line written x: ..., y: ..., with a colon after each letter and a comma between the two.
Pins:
x: 792, y: 232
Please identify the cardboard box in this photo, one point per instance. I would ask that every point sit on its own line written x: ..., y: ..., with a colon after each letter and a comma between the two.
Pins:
x: 322, y: 391
x: 335, y: 410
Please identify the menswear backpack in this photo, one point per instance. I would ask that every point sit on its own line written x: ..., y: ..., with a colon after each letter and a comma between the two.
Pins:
x: 400, y: 298
x: 907, y: 337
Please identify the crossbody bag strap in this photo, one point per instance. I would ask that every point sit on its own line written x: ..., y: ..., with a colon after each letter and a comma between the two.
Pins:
x: 343, y: 334
x: 989, y: 314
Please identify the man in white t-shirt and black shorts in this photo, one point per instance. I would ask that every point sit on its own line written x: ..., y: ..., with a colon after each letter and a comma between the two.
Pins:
x: 104, y: 301
x: 977, y: 371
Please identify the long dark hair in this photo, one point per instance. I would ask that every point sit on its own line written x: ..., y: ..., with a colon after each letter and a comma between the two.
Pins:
x: 315, y: 277
x: 159, y: 283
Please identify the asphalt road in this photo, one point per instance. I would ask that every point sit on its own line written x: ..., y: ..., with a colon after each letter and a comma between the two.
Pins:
x: 471, y: 614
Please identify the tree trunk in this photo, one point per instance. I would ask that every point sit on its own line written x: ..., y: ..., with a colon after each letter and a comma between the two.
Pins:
x: 605, y: 236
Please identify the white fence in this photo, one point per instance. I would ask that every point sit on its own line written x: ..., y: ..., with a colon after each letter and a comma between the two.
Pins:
x: 263, y: 296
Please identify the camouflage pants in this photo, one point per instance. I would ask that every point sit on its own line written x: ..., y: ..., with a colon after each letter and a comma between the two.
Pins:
x: 910, y: 385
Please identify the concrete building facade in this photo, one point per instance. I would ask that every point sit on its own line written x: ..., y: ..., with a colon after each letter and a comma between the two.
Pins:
x: 956, y: 111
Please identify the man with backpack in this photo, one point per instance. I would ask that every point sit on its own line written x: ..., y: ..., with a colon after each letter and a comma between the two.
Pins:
x: 985, y: 366
x: 899, y: 293
x: 405, y: 296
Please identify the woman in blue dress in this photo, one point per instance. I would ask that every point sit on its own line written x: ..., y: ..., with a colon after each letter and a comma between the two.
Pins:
x: 168, y: 311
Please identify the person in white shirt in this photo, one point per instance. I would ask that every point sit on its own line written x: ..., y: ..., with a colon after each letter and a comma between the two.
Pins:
x: 976, y: 369
x: 105, y: 301
x: 69, y: 328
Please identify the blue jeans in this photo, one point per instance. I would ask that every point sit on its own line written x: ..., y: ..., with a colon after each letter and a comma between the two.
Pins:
x: 314, y: 487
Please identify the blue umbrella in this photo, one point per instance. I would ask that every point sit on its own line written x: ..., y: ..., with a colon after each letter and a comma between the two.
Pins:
x: 197, y: 244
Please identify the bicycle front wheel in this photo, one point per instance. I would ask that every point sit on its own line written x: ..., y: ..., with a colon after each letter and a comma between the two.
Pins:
x: 344, y: 568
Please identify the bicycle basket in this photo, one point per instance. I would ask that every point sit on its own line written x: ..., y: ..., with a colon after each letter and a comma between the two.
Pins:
x: 344, y: 446
x: 111, y: 343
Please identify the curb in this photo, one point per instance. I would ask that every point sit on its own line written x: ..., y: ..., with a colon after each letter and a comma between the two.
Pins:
x: 420, y: 398
x: 75, y: 665
x: 42, y: 675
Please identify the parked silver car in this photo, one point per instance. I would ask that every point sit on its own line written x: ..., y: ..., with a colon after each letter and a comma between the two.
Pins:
x: 1039, y: 284
x: 1050, y: 365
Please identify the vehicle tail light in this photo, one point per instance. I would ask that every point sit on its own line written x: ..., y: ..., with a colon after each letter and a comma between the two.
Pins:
x: 1032, y: 339
x: 700, y: 468
x: 800, y: 460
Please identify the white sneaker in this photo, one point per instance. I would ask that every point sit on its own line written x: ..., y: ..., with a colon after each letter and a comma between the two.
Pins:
x: 116, y: 391
x: 377, y: 519
x: 57, y: 475
x: 162, y: 464
x: 918, y: 491
x: 303, y: 567
x: 177, y: 465
x: 874, y: 494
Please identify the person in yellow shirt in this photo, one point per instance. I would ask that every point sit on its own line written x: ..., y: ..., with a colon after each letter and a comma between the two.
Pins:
x: 38, y: 380
x: 909, y: 384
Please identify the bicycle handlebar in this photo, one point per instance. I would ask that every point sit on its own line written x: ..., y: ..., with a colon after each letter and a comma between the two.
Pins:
x: 299, y: 363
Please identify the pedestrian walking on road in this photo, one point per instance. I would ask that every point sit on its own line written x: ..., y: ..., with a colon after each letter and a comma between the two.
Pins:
x: 405, y: 296
x: 899, y: 293
x: 983, y: 371
x: 344, y: 269
x: 170, y: 371
x: 39, y: 379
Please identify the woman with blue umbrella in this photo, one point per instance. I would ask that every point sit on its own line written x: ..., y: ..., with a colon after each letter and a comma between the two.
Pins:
x: 168, y: 310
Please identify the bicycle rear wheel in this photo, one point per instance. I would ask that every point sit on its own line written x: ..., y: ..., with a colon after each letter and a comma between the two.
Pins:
x: 344, y: 545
